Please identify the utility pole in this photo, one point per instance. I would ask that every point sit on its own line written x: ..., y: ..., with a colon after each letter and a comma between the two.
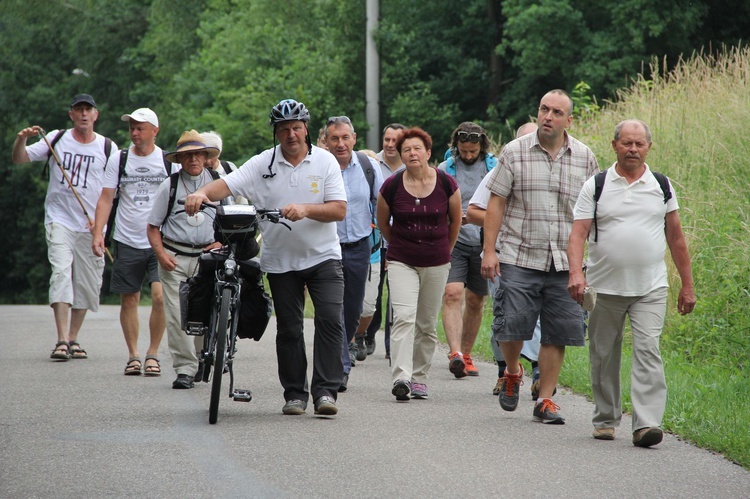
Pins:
x: 372, y: 77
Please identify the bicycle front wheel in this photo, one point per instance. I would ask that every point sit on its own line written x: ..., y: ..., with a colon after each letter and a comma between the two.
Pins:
x: 219, y: 354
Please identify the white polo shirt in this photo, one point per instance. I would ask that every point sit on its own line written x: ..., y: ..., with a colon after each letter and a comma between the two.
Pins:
x: 628, y: 259
x: 316, y: 179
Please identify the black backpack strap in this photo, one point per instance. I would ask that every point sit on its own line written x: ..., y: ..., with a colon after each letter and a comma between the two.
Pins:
x: 227, y: 166
x: 598, y: 186
x: 116, y: 200
x: 107, y: 151
x: 664, y: 184
x: 364, y: 162
x: 167, y: 164
x: 55, y: 140
x: 173, y: 179
x: 398, y: 179
x: 123, y: 162
x: 446, y: 183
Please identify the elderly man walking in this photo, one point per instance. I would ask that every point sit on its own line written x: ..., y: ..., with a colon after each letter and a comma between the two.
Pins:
x: 178, y: 240
x: 633, y: 211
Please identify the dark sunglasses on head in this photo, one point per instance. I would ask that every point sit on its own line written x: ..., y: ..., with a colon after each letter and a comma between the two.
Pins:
x: 469, y: 136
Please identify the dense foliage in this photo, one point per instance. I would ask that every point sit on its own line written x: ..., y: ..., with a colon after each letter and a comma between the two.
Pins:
x: 220, y: 64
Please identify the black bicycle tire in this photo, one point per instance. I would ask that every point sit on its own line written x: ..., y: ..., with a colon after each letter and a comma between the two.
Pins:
x: 219, y: 355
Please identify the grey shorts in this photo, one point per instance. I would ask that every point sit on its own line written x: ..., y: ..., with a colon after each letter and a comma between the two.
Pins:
x: 523, y: 294
x: 131, y: 266
x: 466, y: 267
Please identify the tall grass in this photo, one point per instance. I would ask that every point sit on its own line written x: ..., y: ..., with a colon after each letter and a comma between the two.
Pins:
x: 699, y: 115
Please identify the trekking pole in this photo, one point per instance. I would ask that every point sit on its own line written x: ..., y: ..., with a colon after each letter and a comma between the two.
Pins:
x: 70, y: 184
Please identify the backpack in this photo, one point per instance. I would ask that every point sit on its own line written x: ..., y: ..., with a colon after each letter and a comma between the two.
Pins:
x: 227, y: 166
x: 173, y: 180
x: 116, y: 200
x: 490, y: 162
x: 364, y: 159
x: 599, y: 185
x: 390, y: 195
x: 56, y: 139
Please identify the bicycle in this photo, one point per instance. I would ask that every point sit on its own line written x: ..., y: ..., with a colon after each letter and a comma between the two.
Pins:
x: 234, y: 226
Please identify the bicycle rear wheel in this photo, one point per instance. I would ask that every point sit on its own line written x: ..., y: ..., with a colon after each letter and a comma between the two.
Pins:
x: 219, y: 354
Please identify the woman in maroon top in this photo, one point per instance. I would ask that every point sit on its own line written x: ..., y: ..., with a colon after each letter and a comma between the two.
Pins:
x: 419, y: 214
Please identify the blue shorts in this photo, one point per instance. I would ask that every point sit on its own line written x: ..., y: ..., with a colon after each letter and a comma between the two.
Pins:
x: 131, y: 266
x: 523, y: 294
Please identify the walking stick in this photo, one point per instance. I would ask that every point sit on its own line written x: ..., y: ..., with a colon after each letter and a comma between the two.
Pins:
x: 70, y: 184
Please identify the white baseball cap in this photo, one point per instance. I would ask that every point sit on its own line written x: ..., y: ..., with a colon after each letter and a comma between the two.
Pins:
x: 142, y: 115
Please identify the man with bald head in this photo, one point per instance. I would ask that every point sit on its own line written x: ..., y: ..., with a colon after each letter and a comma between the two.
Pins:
x: 526, y: 229
x: 635, y: 219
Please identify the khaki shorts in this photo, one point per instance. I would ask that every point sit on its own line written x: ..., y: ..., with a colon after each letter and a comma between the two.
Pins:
x: 76, y: 271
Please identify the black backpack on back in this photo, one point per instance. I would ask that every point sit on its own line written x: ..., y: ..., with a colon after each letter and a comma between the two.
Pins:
x: 116, y: 200
x: 599, y: 185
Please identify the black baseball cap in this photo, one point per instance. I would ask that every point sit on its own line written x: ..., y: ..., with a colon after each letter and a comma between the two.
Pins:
x: 83, y: 98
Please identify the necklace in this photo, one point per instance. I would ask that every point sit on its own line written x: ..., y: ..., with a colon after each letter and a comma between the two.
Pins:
x: 419, y: 186
x: 195, y: 183
x: 198, y: 218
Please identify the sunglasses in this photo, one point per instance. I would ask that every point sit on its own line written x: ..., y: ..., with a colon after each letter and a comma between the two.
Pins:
x: 333, y: 120
x: 469, y: 136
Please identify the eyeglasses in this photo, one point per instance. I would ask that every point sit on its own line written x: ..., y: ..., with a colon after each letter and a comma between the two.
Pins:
x: 338, y: 119
x: 469, y: 136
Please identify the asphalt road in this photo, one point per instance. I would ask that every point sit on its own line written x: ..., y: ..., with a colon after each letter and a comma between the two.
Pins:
x: 82, y: 429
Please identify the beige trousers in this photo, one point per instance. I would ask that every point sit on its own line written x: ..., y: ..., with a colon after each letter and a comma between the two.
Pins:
x: 416, y: 297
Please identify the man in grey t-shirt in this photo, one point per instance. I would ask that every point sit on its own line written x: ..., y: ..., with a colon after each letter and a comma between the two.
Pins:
x: 468, y: 161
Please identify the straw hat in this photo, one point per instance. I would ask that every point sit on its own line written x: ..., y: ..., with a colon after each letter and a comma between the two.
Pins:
x: 191, y: 141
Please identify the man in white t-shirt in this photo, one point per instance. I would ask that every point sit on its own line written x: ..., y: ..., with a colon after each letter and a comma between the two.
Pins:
x: 634, y: 220
x: 76, y: 272
x: 305, y: 182
x: 143, y: 170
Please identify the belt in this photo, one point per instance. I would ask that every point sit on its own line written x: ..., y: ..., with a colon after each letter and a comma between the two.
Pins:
x: 187, y: 245
x: 169, y: 244
x: 356, y: 243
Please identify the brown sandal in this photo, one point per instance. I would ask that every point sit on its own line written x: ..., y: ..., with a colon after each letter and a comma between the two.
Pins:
x: 152, y: 370
x: 61, y: 351
x: 133, y: 367
x: 76, y: 352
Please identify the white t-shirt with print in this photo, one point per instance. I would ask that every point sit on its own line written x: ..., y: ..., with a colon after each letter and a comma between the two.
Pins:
x: 84, y: 164
x: 316, y: 179
x: 138, y: 186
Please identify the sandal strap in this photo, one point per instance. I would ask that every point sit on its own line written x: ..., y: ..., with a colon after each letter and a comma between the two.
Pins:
x: 134, y: 359
x: 60, y: 344
x: 152, y: 357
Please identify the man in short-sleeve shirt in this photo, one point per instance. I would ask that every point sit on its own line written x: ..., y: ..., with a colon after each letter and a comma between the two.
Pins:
x: 533, y: 190
x: 76, y: 272
x: 304, y: 181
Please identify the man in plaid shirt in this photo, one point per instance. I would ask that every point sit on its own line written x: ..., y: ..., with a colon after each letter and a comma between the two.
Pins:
x: 529, y: 218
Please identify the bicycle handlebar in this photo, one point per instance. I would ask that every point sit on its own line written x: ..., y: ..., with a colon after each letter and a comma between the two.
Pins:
x: 272, y: 215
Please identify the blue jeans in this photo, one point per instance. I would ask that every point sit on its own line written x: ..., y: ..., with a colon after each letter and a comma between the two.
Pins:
x: 356, y: 263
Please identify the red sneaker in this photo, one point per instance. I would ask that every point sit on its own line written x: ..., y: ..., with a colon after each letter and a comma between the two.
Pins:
x: 456, y: 364
x: 471, y: 369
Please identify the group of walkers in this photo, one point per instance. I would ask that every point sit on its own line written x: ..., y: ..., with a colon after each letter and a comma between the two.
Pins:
x: 514, y: 225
